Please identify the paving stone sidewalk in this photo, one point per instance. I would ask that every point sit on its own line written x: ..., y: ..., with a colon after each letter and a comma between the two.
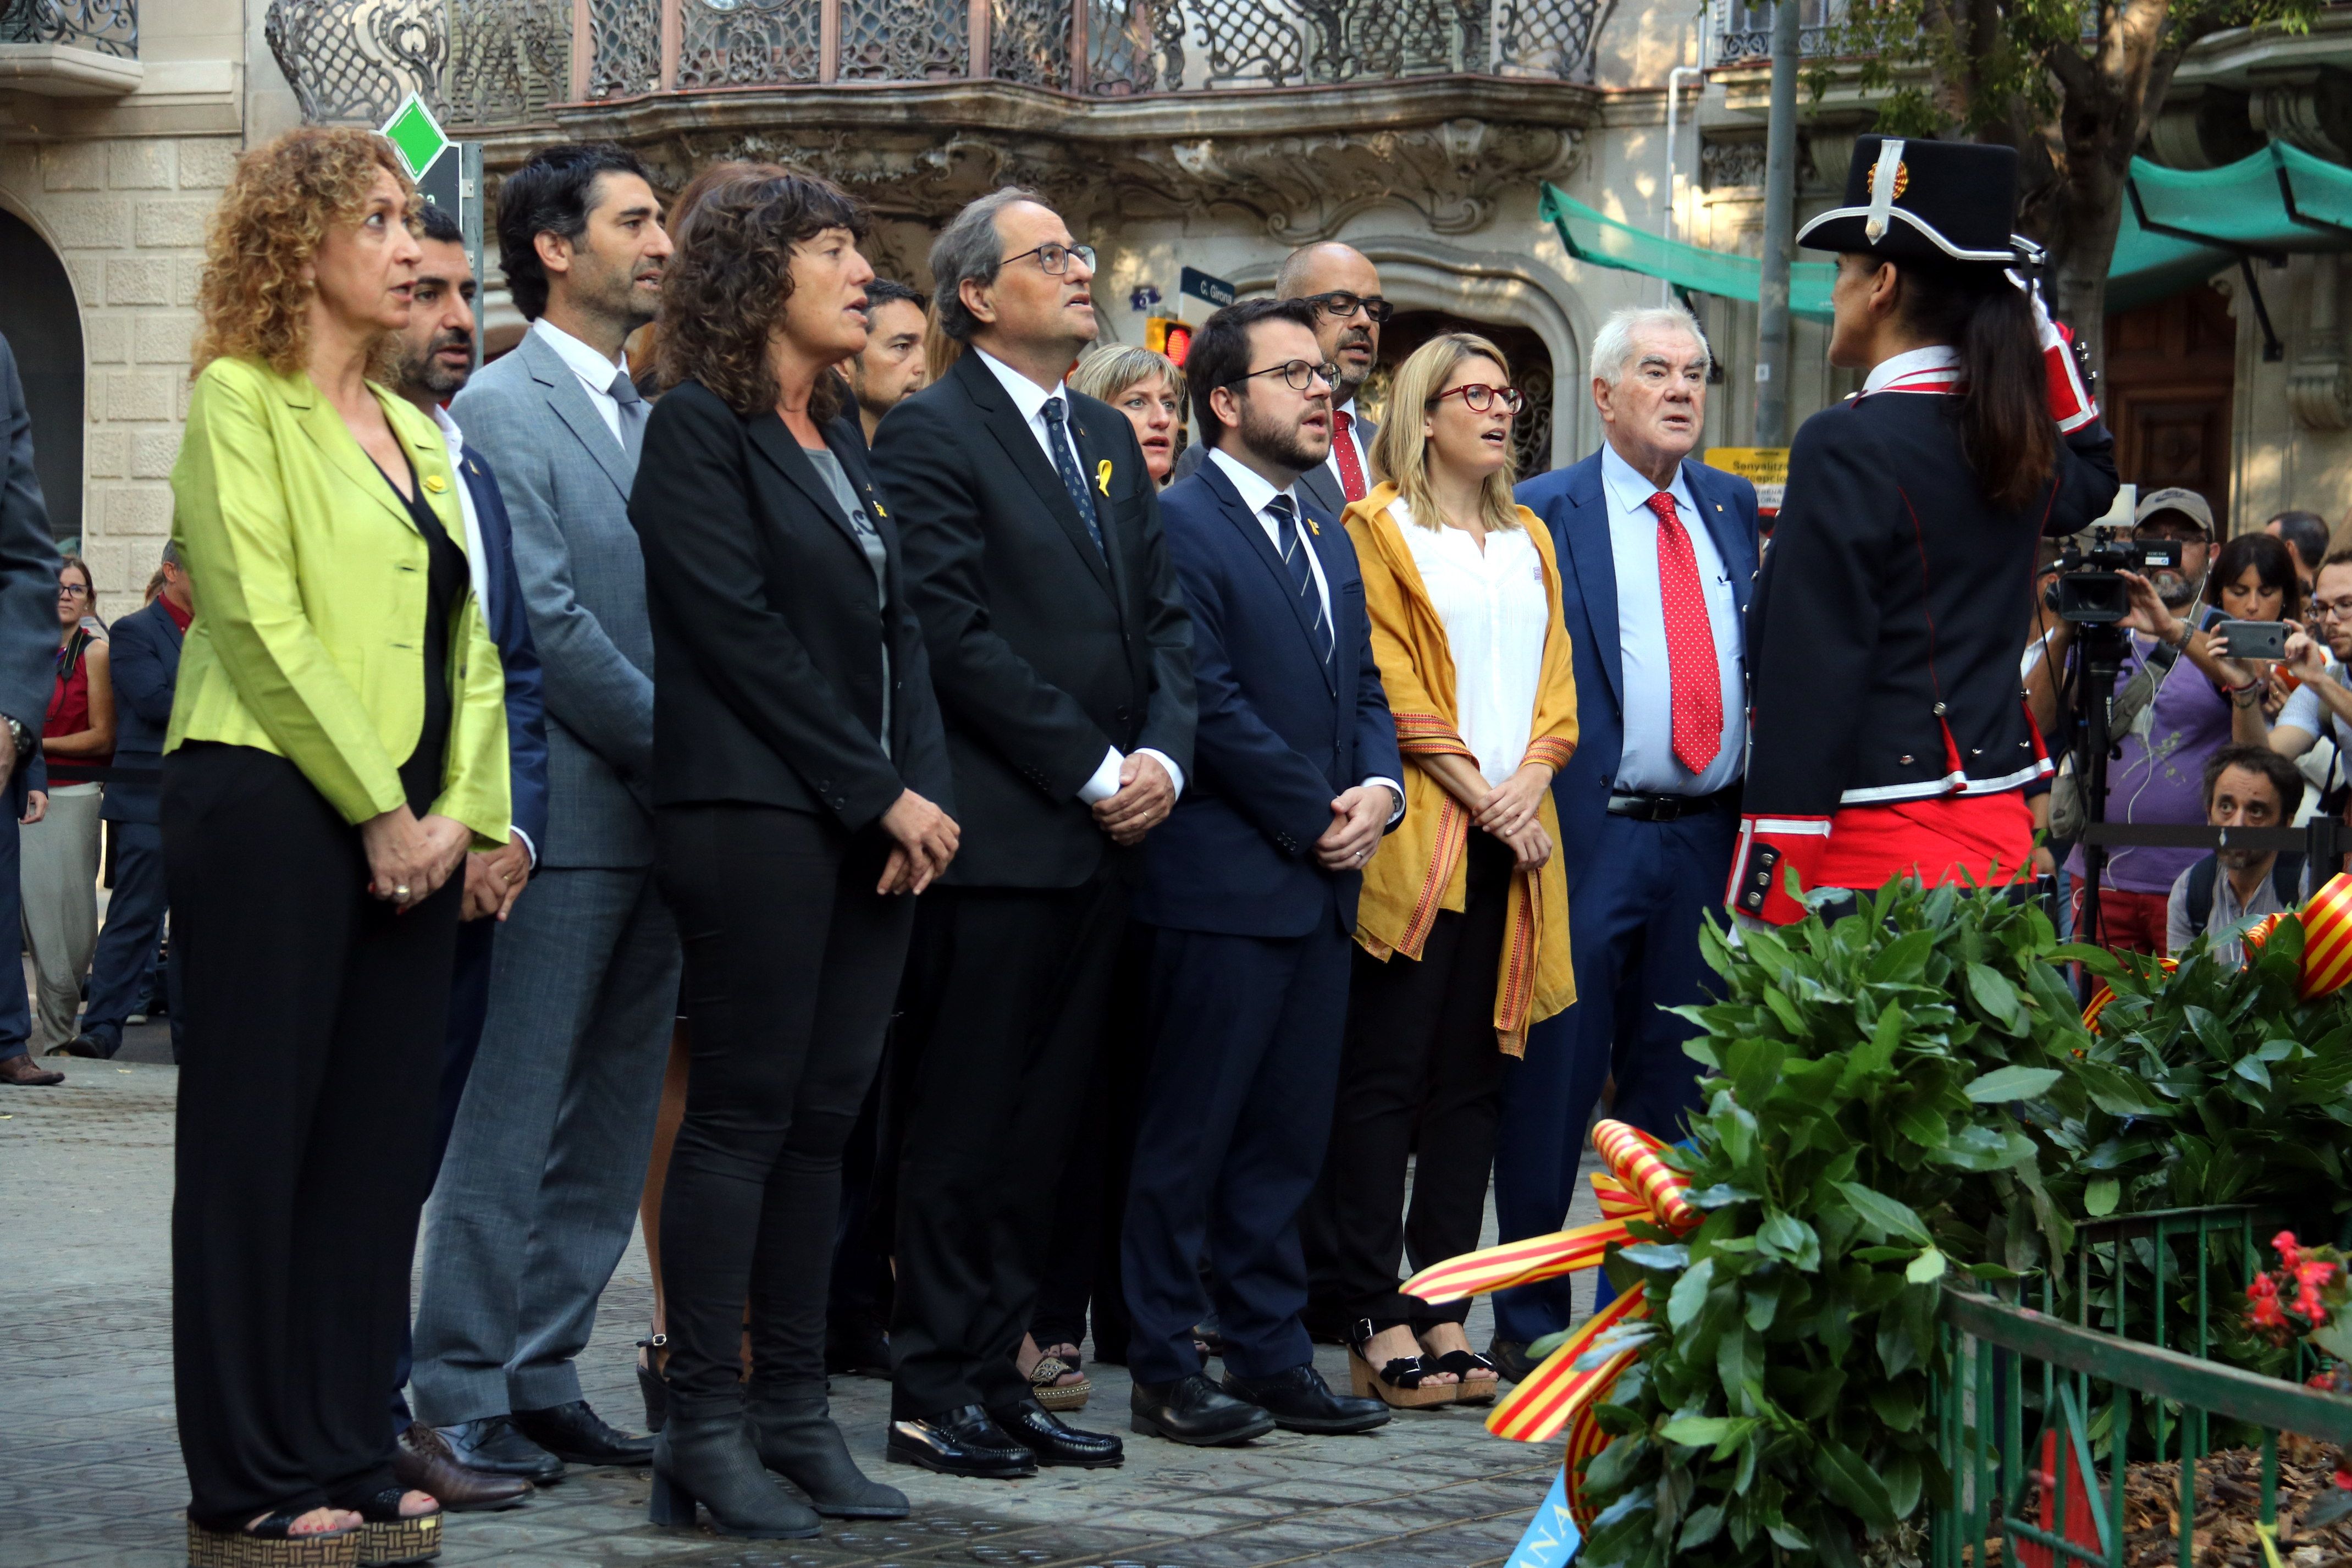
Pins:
x: 90, y: 1472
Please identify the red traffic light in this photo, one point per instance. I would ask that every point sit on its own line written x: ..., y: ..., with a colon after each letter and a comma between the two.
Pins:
x: 1166, y: 336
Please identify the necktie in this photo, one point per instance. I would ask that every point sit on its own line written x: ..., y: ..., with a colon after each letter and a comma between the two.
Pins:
x: 1343, y: 450
x: 1066, y: 463
x: 1691, y: 667
x: 633, y: 413
x: 1284, y: 512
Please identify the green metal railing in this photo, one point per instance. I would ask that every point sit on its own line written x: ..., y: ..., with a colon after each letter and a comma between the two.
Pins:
x: 2099, y: 1398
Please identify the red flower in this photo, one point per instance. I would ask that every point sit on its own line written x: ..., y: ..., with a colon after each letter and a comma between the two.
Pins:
x: 2264, y: 1286
x: 2288, y: 1250
x: 2344, y: 1480
x: 2266, y: 1313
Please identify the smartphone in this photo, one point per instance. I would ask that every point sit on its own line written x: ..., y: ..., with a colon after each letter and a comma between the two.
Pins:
x: 2252, y: 639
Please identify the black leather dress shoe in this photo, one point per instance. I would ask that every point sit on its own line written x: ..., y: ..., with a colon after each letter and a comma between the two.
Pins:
x: 492, y: 1444
x: 1041, y: 1432
x: 960, y: 1442
x: 1300, y: 1401
x: 578, y: 1436
x: 1511, y: 1359
x: 1195, y: 1410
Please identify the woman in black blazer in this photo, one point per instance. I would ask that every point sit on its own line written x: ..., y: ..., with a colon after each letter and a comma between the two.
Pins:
x: 799, y: 797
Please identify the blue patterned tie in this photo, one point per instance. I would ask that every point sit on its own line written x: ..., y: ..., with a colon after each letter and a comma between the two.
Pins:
x: 1065, y: 462
x: 1284, y: 512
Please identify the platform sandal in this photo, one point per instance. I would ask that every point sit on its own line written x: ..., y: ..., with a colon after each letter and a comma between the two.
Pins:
x: 270, y: 1543
x: 387, y: 1536
x: 1056, y: 1395
x: 1462, y: 1363
x: 650, y: 1385
x: 1406, y: 1383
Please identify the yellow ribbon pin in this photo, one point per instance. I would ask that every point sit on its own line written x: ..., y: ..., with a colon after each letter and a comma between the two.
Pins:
x: 436, y: 483
x: 1102, y: 476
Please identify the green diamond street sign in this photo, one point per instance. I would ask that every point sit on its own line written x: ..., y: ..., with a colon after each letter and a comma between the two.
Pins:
x: 416, y: 135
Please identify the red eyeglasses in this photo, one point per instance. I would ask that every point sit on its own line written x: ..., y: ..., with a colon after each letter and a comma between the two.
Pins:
x: 1481, y: 397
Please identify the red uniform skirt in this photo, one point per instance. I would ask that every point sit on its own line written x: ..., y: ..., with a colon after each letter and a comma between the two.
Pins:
x: 1984, y: 840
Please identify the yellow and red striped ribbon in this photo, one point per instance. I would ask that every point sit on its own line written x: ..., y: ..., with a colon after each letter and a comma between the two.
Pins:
x: 2326, y: 945
x: 1556, y: 1392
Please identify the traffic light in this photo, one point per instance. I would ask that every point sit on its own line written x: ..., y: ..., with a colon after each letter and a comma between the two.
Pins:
x: 1166, y: 336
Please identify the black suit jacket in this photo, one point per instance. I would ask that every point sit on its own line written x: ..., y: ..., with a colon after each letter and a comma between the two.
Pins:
x: 1045, y: 654
x: 766, y: 634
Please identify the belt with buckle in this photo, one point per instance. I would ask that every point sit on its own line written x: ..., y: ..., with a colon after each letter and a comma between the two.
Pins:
x: 1671, y: 807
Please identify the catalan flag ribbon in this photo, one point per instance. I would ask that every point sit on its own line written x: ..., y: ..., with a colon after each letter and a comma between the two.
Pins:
x: 2326, y: 945
x: 1638, y: 1184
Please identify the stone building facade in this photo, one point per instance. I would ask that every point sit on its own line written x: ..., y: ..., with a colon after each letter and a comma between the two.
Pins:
x: 1210, y: 133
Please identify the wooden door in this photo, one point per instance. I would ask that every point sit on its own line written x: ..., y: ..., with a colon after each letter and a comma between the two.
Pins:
x: 2170, y: 375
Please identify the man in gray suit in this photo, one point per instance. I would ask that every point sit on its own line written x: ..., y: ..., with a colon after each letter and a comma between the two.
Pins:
x: 539, y: 1191
x: 28, y: 652
x: 1344, y: 287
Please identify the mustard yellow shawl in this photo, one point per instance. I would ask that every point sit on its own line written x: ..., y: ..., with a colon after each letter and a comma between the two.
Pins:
x: 1419, y: 868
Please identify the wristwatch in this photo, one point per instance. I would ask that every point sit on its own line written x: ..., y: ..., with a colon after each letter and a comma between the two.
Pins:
x: 18, y: 733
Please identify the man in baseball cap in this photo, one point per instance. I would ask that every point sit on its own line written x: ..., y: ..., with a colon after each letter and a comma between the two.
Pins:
x: 2183, y: 515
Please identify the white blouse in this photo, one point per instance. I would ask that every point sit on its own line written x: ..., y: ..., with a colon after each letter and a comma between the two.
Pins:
x: 1493, y: 606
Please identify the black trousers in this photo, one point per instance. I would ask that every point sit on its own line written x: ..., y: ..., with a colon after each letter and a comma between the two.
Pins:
x: 1246, y: 1035
x: 1420, y: 1078
x: 792, y: 960
x: 1006, y: 997
x: 313, y: 1052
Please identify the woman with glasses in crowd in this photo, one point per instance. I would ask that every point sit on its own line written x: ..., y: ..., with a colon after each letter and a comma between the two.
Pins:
x: 1463, y: 919
x: 338, y: 744
x: 60, y: 842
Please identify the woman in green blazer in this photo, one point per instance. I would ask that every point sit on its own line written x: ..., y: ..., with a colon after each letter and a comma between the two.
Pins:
x: 338, y: 742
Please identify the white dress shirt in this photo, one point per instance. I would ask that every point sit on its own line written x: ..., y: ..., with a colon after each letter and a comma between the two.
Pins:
x: 594, y: 371
x: 1648, y: 766
x: 1496, y: 613
x: 1030, y: 399
x: 477, y: 566
x: 1363, y: 460
x: 1257, y: 494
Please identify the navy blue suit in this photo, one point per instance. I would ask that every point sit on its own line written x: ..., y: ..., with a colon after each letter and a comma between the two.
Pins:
x: 1249, y: 937
x: 1636, y: 893
x: 145, y: 656
x: 469, y: 985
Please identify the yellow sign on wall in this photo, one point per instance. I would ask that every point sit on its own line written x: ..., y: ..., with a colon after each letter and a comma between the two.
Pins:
x: 1766, y: 468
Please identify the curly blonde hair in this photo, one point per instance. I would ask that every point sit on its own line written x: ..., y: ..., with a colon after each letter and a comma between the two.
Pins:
x: 280, y: 205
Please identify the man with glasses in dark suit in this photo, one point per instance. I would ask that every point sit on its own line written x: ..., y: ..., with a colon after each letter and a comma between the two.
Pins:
x: 1062, y: 655
x: 1344, y: 288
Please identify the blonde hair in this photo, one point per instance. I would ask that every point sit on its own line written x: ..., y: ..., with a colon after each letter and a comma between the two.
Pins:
x: 1106, y: 370
x: 285, y: 198
x: 1402, y: 451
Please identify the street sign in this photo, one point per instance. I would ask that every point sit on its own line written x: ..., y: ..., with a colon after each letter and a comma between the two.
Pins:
x: 1201, y: 286
x: 417, y: 137
x: 1766, y: 468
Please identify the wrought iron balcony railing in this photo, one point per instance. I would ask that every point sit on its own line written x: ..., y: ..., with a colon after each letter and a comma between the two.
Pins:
x: 108, y: 26
x: 1743, y: 30
x: 501, y: 62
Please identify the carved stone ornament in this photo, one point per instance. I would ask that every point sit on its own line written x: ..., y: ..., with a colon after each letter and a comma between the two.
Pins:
x: 2319, y: 387
x: 1299, y: 187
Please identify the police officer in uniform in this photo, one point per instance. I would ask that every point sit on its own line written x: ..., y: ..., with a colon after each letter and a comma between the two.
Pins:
x: 1889, y: 735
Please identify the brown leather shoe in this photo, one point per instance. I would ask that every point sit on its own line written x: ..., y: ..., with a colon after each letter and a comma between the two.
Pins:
x: 20, y: 1070
x: 421, y: 1459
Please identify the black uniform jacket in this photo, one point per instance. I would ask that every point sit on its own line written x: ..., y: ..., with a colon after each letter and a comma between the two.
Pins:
x: 1046, y: 655
x: 767, y: 634
x: 1892, y: 603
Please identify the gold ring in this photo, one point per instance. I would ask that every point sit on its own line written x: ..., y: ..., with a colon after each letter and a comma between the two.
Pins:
x: 401, y: 892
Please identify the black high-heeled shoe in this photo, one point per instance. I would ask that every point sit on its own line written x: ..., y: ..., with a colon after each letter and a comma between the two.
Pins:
x: 387, y: 1537
x: 710, y: 1460
x: 796, y: 1438
x: 649, y: 1382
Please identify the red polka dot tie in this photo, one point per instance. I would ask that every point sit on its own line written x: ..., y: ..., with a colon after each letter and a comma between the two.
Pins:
x: 1343, y: 449
x: 1690, y: 642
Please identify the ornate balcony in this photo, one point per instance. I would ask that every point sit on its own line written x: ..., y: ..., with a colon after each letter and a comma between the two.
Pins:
x: 1743, y: 30
x: 103, y: 27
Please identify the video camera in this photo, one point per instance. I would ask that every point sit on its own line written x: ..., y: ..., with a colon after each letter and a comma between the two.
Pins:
x: 2090, y: 589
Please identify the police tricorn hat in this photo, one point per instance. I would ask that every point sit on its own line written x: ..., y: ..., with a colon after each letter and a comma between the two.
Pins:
x: 1925, y: 201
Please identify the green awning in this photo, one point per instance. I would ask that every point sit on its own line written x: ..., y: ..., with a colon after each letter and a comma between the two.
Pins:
x: 2182, y: 226
x: 1603, y: 241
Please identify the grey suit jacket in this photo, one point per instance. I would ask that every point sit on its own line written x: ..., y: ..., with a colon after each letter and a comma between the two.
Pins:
x: 566, y: 481
x: 28, y: 564
x: 1319, y: 481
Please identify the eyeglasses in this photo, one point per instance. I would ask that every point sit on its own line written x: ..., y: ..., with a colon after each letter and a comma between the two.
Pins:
x: 72, y: 591
x: 1481, y: 397
x: 2331, y: 609
x: 1054, y: 257
x: 1297, y: 374
x: 1338, y: 304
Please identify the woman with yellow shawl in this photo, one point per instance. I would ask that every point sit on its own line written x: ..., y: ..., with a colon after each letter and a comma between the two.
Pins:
x: 1463, y: 920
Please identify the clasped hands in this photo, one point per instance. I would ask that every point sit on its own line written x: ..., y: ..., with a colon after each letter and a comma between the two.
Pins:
x: 1508, y: 811
x: 1145, y: 796
x: 409, y: 858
